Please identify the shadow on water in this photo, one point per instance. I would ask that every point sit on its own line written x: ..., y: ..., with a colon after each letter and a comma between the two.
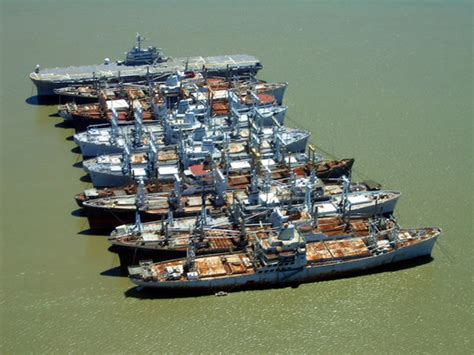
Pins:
x: 90, y: 231
x: 85, y: 178
x: 78, y: 213
x: 116, y: 271
x: 42, y: 100
x: 64, y: 124
x: 96, y: 232
x: 85, y: 229
x: 150, y: 293
x: 75, y: 149
x: 77, y: 164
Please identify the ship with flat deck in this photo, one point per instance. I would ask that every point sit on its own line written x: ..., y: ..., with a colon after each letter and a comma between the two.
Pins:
x: 142, y: 64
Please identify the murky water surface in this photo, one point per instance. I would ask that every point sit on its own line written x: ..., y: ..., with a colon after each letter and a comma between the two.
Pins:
x: 387, y: 82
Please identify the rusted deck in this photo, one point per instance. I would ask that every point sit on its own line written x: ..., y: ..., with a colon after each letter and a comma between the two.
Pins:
x: 332, y: 250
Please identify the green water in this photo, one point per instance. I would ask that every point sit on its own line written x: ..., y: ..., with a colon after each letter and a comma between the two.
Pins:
x: 387, y: 82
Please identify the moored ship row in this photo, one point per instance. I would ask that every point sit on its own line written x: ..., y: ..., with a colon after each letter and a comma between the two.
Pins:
x: 204, y: 188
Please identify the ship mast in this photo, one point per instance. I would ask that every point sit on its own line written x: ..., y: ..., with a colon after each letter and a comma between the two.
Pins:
x: 278, y: 142
x: 114, y: 126
x: 126, y: 160
x: 138, y: 123
x: 345, y: 204
x: 254, y: 186
x: 140, y: 197
x: 177, y: 193
x: 312, y: 155
x: 220, y: 181
x: 152, y: 155
x: 311, y: 208
x: 202, y: 219
x: 139, y: 41
x: 190, y: 254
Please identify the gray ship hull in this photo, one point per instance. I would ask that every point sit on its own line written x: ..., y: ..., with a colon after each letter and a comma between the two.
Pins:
x: 365, y: 209
x: 364, y: 204
x: 295, y: 141
x: 278, y: 91
x: 92, y: 149
x: 109, y: 179
x: 310, y: 273
x: 100, y: 143
x: 46, y: 80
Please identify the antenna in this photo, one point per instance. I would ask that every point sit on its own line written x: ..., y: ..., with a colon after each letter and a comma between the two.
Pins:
x: 139, y: 41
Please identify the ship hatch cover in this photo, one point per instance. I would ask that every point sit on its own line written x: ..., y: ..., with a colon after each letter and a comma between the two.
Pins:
x: 149, y: 237
x: 198, y: 170
x: 238, y: 165
x: 268, y: 162
x: 358, y: 199
x: 139, y: 172
x: 91, y: 193
x: 117, y: 104
x: 167, y: 170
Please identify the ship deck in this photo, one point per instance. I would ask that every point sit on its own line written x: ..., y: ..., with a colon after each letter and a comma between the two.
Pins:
x: 72, y: 73
x: 318, y: 254
x: 336, y: 250
x: 210, y: 267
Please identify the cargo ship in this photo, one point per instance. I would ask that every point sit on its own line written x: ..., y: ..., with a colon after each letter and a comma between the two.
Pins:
x: 285, y: 258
